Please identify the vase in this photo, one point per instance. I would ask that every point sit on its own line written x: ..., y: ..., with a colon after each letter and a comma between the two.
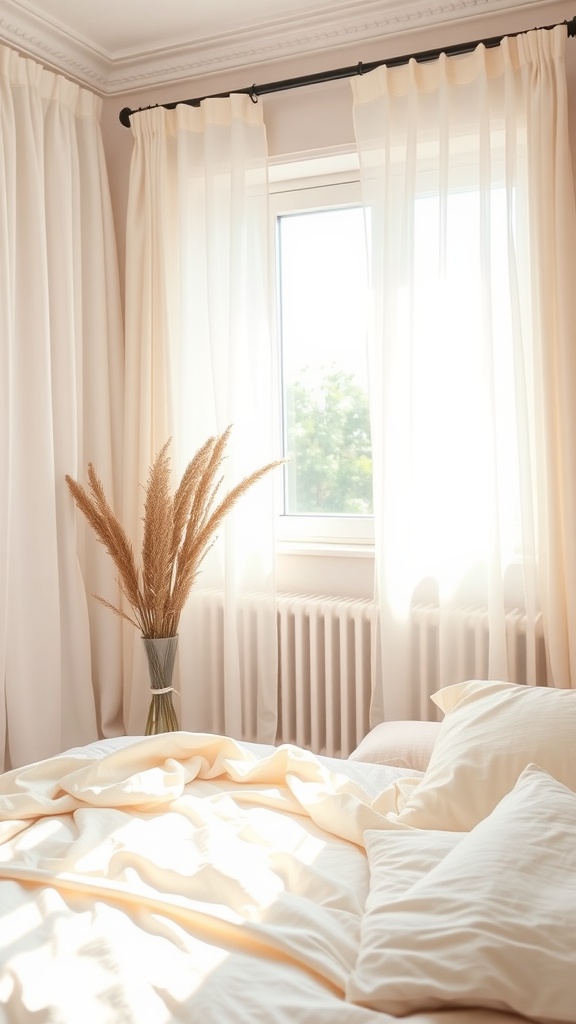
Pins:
x: 161, y: 653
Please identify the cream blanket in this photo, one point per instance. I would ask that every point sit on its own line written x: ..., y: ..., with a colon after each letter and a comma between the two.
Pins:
x: 183, y: 878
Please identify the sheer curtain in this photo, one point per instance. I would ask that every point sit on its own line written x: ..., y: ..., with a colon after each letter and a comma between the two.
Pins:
x: 198, y: 358
x: 60, y: 389
x: 466, y: 176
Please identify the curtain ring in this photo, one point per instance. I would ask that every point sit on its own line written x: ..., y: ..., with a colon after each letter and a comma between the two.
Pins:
x: 253, y: 94
x: 360, y: 69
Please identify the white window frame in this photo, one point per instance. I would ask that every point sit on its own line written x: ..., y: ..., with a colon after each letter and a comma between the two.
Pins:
x: 304, y: 185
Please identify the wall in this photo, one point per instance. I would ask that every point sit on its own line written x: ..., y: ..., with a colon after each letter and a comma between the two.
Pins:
x: 303, y: 121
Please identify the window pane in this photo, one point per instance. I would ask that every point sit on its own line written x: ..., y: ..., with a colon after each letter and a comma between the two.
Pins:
x: 463, y: 445
x: 323, y: 286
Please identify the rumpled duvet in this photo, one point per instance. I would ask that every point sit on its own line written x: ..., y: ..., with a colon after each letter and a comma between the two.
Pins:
x: 186, y: 878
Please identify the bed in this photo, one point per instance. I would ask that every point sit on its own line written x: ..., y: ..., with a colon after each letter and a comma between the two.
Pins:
x: 193, y: 878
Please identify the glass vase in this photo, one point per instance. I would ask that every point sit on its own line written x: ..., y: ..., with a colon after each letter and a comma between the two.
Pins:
x: 161, y: 653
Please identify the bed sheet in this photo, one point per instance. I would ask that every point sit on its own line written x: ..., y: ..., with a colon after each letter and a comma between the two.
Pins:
x: 187, y: 877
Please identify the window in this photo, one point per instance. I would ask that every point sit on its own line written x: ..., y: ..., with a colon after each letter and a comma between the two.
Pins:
x: 459, y: 378
x: 321, y: 285
x: 321, y: 300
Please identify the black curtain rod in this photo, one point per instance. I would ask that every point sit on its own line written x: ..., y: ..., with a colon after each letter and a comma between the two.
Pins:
x: 254, y: 91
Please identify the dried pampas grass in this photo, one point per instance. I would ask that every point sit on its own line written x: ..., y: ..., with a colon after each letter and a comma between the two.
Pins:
x: 179, y: 530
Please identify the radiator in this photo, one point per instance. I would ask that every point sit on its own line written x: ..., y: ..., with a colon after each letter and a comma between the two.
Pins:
x: 324, y: 672
x: 324, y: 668
x: 468, y: 640
x: 325, y: 663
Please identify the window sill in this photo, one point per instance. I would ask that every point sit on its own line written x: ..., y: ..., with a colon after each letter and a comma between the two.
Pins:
x: 331, y: 549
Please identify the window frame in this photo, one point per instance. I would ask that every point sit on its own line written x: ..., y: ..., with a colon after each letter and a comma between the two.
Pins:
x: 303, y: 186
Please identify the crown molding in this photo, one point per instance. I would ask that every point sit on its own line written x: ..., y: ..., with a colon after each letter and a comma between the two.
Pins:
x: 342, y: 25
x: 56, y: 48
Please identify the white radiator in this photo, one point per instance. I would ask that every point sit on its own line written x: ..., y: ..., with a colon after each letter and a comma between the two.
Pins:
x: 468, y: 643
x: 325, y: 663
x: 324, y: 670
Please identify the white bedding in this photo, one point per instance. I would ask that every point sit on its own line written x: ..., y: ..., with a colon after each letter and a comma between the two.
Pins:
x: 189, y: 878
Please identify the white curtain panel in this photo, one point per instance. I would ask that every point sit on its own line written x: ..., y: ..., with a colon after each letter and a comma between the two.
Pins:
x: 199, y: 358
x: 467, y: 180
x: 60, y: 387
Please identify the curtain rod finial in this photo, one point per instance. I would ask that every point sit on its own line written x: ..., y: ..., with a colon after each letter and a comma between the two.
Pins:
x: 124, y: 116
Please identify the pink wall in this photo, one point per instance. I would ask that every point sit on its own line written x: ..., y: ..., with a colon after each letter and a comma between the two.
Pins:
x: 318, y: 117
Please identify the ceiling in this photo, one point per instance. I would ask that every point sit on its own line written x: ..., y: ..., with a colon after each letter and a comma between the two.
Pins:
x: 120, y: 46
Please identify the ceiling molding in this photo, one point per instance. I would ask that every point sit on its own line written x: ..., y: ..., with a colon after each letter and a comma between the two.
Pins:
x: 38, y: 38
x: 328, y: 29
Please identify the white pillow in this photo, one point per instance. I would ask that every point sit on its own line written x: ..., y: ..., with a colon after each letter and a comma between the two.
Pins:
x: 492, y: 925
x: 398, y: 744
x: 404, y: 857
x: 491, y: 731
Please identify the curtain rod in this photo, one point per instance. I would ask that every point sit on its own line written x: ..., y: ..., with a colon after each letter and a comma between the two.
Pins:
x: 254, y: 91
